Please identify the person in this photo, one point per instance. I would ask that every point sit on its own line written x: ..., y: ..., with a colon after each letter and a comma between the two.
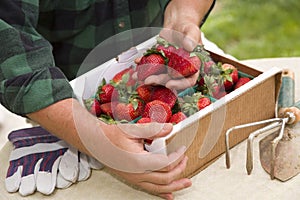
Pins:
x: 43, y: 44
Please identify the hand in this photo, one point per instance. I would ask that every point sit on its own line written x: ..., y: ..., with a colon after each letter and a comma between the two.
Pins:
x: 182, y: 22
x: 109, y: 144
x: 173, y: 84
x: 183, y: 32
x: 161, y: 182
x: 181, y: 27
x: 167, y: 81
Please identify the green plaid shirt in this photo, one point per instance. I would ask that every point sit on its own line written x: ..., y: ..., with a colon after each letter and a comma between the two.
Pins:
x: 43, y: 42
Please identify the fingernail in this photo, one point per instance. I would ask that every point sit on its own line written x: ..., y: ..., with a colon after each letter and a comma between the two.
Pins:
x: 187, y: 183
x: 167, y: 127
x: 182, y: 149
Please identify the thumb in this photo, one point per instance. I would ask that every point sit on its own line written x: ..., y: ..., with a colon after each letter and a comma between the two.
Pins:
x: 148, y: 130
x: 192, y: 37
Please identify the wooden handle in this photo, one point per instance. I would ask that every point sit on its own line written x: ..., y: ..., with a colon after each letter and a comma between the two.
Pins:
x: 297, y: 104
x: 286, y: 96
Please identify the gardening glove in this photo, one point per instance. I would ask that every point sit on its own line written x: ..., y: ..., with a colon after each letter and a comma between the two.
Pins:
x: 28, y: 171
x: 75, y: 166
x: 33, y: 164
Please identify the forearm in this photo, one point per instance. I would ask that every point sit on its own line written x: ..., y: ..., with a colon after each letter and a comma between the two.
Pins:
x: 59, y: 119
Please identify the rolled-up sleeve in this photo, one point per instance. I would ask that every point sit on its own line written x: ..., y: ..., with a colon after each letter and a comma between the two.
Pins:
x: 29, y: 78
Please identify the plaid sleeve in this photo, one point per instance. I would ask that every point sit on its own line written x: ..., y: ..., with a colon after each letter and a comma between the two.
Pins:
x: 29, y: 79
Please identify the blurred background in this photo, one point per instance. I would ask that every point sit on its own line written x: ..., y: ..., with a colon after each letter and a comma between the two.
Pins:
x: 249, y: 29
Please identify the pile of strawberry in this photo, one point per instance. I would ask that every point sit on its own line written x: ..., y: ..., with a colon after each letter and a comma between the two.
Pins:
x: 127, y: 99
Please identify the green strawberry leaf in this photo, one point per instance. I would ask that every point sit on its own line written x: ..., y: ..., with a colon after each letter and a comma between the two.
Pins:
x: 125, y: 78
x: 107, y: 119
x: 165, y: 43
x: 135, y: 104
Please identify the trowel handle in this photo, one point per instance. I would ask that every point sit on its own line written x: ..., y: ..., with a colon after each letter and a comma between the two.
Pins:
x: 286, y: 96
x: 297, y: 105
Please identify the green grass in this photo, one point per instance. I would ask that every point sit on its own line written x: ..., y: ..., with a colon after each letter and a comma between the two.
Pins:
x: 250, y: 29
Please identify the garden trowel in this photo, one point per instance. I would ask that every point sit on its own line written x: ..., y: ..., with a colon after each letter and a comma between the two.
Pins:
x: 279, y: 152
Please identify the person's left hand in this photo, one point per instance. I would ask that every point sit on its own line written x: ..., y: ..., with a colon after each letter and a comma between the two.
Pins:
x: 154, y: 173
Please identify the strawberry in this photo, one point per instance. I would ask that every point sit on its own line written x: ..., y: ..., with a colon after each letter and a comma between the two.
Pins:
x: 168, y: 50
x: 144, y: 120
x: 150, y: 93
x: 165, y: 95
x: 192, y: 104
x: 145, y: 92
x: 93, y: 106
x: 105, y: 92
x: 128, y: 111
x: 200, y: 82
x: 119, y: 76
x: 208, y: 85
x: 183, y: 64
x: 218, y: 91
x: 208, y: 66
x: 203, y: 102
x: 177, y: 117
x: 106, y: 109
x: 158, y: 111
x: 152, y: 63
x: 241, y: 81
x: 230, y: 75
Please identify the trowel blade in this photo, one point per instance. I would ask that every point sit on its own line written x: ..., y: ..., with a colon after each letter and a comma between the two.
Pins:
x: 287, y: 154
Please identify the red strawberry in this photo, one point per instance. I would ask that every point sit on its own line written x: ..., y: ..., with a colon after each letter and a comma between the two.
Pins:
x: 241, y: 81
x: 106, y: 109
x: 144, y: 120
x: 230, y: 74
x: 145, y: 92
x: 203, y: 102
x: 118, y: 77
x: 208, y: 66
x: 105, y: 92
x: 182, y: 64
x: 128, y: 111
x: 177, y: 117
x: 93, y: 106
x: 218, y: 92
x: 158, y: 111
x: 168, y: 51
x: 200, y: 82
x: 220, y: 95
x: 165, y: 95
x: 192, y: 104
x: 152, y: 63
